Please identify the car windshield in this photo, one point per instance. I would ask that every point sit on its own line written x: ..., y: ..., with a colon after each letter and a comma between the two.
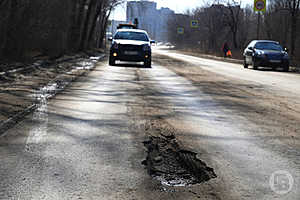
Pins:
x: 268, y: 46
x: 124, y: 35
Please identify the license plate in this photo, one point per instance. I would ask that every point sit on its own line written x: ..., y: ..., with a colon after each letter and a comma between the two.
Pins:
x: 275, y: 61
x: 131, y: 53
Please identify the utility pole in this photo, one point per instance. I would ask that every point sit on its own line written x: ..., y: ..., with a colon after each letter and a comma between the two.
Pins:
x: 258, y: 26
x: 259, y: 6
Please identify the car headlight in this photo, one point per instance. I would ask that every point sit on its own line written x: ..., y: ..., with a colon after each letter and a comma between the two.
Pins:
x: 260, y: 54
x: 146, y: 47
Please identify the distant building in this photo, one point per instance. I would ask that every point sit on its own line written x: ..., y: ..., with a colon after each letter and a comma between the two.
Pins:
x: 154, y: 21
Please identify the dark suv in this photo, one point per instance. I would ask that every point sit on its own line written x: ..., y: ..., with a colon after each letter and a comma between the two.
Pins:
x: 266, y: 53
x: 131, y: 45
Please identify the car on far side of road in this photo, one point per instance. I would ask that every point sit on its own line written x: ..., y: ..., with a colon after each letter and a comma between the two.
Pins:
x: 131, y: 45
x: 266, y: 53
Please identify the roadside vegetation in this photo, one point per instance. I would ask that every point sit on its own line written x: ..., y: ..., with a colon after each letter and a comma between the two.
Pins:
x: 31, y: 28
x: 237, y: 24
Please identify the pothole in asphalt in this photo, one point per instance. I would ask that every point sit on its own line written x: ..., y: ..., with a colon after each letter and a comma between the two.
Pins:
x: 173, y: 166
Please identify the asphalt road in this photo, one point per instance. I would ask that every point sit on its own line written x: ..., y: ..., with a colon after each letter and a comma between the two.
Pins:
x: 244, y: 153
x: 86, y: 143
x: 282, y: 81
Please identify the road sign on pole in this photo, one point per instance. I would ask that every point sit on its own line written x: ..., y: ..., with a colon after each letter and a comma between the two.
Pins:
x: 194, y: 23
x: 260, y: 5
x: 180, y: 30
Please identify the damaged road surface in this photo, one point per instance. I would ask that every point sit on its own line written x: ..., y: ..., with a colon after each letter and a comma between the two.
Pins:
x: 85, y: 143
x: 174, y: 166
x: 127, y: 132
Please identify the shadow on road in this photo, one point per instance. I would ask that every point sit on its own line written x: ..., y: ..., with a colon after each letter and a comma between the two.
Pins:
x: 130, y: 65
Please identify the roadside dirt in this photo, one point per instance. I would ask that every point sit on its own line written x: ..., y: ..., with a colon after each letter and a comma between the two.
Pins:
x: 197, y: 53
x: 21, y: 89
x: 275, y: 112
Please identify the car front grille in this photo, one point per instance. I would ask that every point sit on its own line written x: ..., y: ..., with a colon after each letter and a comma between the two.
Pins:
x: 274, y: 56
x: 130, y: 47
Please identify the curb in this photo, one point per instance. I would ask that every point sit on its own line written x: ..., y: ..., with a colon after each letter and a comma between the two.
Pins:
x: 12, y: 121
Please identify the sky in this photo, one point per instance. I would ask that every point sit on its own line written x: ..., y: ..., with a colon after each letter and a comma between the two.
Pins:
x: 179, y: 6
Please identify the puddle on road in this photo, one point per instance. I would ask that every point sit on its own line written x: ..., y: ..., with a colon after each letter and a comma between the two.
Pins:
x: 95, y: 58
x: 40, y: 115
x: 87, y: 64
x: 43, y: 94
x: 172, y: 166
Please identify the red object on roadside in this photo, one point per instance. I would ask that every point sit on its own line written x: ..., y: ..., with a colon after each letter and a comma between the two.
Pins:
x: 229, y: 54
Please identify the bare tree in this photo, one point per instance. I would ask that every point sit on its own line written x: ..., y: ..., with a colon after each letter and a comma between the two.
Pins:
x: 292, y: 6
x: 227, y: 20
x: 51, y: 27
x: 232, y: 17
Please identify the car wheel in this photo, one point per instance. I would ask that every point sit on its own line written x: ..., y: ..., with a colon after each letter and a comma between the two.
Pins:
x: 245, y: 64
x: 255, y: 65
x: 147, y: 63
x: 286, y: 68
x: 112, y: 61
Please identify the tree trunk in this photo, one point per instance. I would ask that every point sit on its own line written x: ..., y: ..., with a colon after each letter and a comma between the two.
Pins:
x: 293, y: 34
x: 235, y: 44
x: 294, y: 7
x: 103, y: 29
x: 12, y: 49
x: 94, y: 23
x: 72, y: 36
x: 4, y: 22
x: 79, y: 24
x: 83, y: 42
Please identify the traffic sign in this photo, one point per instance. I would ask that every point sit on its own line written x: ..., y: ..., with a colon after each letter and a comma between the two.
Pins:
x: 180, y: 30
x: 194, y: 23
x: 260, y: 5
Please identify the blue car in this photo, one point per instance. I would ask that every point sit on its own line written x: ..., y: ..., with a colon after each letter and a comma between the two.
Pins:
x: 266, y: 53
